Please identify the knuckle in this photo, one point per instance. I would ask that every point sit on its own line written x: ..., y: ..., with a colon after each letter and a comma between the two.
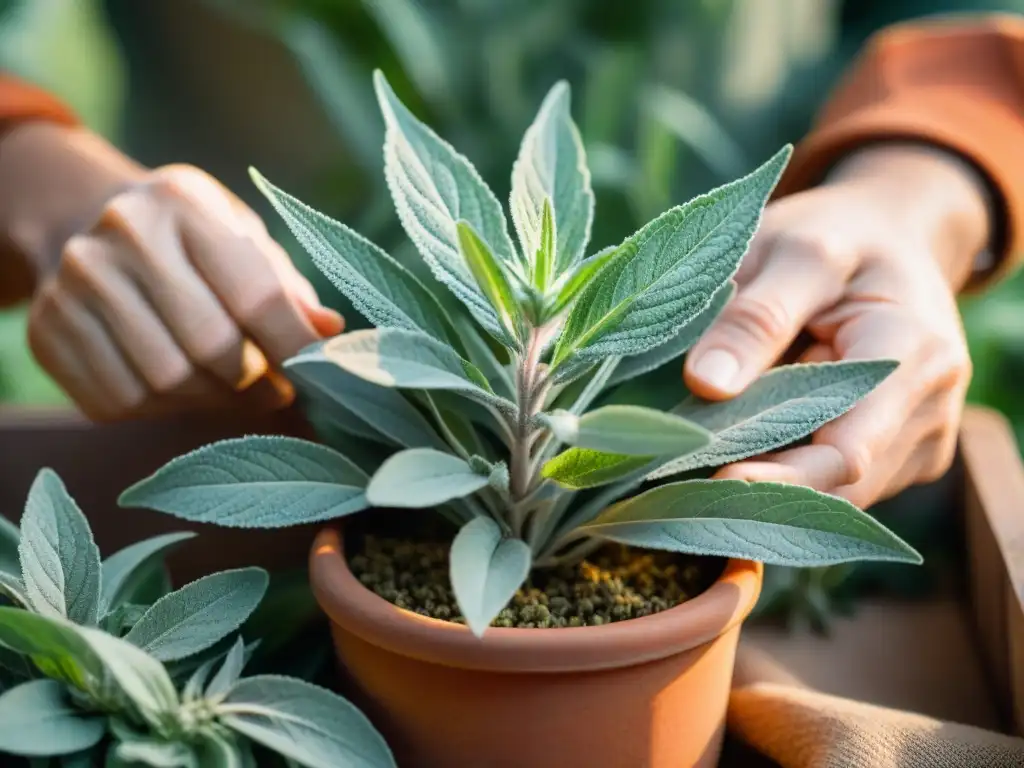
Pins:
x: 216, y: 346
x: 818, y: 249
x: 761, y: 319
x: 170, y: 379
x: 79, y: 260
x: 172, y: 182
x: 857, y: 460
x: 261, y: 302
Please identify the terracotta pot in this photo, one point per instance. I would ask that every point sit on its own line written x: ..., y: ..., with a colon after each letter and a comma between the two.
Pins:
x: 644, y: 693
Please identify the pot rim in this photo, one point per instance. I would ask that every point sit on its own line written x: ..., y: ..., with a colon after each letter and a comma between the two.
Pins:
x: 363, y: 613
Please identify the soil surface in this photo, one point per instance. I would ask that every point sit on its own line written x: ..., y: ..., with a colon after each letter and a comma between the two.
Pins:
x: 614, y: 584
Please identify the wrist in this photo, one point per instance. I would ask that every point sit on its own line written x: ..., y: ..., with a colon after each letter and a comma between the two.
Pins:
x: 930, y: 194
x: 54, y: 181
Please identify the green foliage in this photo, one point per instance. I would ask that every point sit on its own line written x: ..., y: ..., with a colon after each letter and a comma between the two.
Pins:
x: 565, y: 324
x: 86, y: 694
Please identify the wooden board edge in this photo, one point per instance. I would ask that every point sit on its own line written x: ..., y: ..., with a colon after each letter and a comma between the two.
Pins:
x: 994, y: 508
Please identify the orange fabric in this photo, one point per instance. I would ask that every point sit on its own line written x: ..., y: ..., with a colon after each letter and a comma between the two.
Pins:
x: 20, y: 101
x: 957, y: 84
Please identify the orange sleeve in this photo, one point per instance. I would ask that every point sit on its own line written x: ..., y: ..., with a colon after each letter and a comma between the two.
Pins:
x: 20, y: 101
x: 956, y: 84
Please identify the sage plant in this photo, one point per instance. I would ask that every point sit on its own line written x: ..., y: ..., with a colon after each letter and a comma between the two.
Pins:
x: 519, y: 388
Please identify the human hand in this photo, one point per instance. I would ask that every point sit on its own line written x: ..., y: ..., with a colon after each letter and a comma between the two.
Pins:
x: 173, y: 297
x: 867, y: 265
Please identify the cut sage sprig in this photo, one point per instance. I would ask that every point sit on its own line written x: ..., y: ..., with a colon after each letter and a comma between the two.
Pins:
x: 514, y: 375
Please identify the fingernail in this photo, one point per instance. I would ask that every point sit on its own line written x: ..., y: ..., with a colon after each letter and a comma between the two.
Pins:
x: 254, y: 366
x: 718, y: 369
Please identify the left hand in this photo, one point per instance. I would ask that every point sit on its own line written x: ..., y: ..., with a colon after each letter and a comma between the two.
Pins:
x: 868, y: 265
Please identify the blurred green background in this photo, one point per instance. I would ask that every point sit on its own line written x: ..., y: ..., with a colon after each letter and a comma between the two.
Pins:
x: 672, y: 97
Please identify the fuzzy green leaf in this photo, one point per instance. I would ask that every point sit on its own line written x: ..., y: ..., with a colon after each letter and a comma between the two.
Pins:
x: 156, y: 753
x: 54, y: 645
x: 638, y: 365
x: 433, y: 187
x: 420, y: 478
x: 552, y: 170
x: 229, y: 672
x: 544, y: 260
x: 784, y: 405
x: 10, y: 537
x: 630, y: 430
x: 665, y: 275
x: 491, y: 279
x: 37, y: 720
x: 60, y: 562
x: 308, y: 724
x: 127, y: 569
x: 486, y: 570
x: 199, y: 614
x: 217, y: 751
x: 407, y: 360
x: 376, y: 408
x: 380, y: 288
x: 585, y: 272
x: 254, y: 482
x: 579, y: 468
x: 771, y: 522
x: 14, y: 588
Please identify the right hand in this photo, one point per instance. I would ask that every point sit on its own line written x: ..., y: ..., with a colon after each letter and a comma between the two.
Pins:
x: 175, y: 298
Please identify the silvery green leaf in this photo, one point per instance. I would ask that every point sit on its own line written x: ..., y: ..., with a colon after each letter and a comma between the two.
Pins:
x: 12, y: 587
x: 378, y: 408
x: 37, y: 719
x: 156, y: 753
x: 580, y: 277
x: 380, y: 288
x: 141, y: 678
x: 479, y: 353
x: 579, y: 468
x: 498, y: 478
x: 421, y: 477
x: 492, y: 281
x: 54, y: 644
x: 60, y: 562
x: 552, y: 165
x: 314, y: 727
x: 254, y: 482
x: 433, y: 187
x: 122, y: 618
x: 406, y: 360
x: 486, y: 569
x: 630, y: 430
x: 218, y: 751
x: 771, y: 522
x: 131, y: 566
x: 199, y: 614
x: 228, y: 673
x: 10, y: 537
x: 665, y: 275
x: 193, y: 690
x: 784, y: 405
x: 638, y: 365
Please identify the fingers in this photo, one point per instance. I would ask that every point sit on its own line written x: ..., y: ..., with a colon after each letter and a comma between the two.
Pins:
x: 796, y: 279
x: 246, y: 271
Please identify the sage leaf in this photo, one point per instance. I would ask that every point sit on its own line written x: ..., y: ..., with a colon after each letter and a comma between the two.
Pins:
x: 217, y: 751
x: 581, y: 276
x: 774, y: 523
x: 10, y: 537
x: 37, y: 720
x: 60, y: 562
x: 156, y: 753
x: 784, y: 405
x: 486, y: 569
x: 665, y: 275
x: 130, y: 567
x: 421, y: 477
x: 13, y: 588
x: 579, y: 468
x: 229, y: 672
x: 199, y: 614
x: 630, y: 430
x: 492, y: 280
x: 54, y: 645
x: 406, y: 360
x: 304, y: 722
x: 433, y: 187
x: 638, y: 365
x: 380, y: 288
x: 552, y: 166
x: 254, y: 482
x: 378, y: 408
